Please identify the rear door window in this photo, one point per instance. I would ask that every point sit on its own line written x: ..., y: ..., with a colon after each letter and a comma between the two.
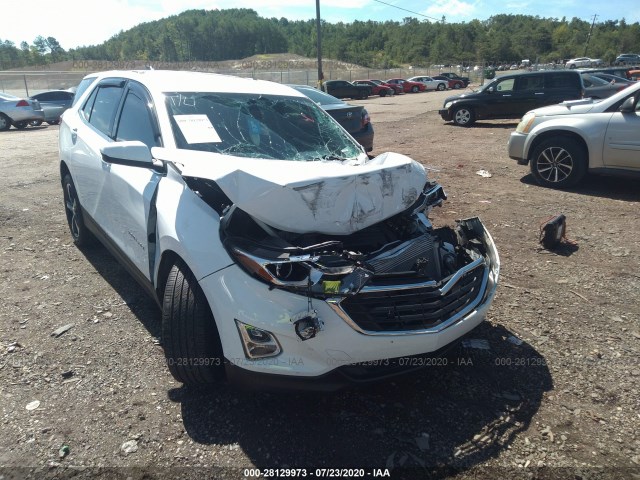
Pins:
x: 107, y: 99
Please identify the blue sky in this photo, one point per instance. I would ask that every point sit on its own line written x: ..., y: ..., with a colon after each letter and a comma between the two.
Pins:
x: 88, y: 22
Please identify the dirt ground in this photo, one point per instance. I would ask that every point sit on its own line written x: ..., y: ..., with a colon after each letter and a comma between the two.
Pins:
x: 548, y: 386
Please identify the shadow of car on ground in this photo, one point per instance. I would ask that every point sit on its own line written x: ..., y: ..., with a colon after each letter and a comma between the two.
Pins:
x: 445, y: 418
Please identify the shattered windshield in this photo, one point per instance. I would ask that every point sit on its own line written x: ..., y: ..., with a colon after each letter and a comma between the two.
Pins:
x: 258, y: 126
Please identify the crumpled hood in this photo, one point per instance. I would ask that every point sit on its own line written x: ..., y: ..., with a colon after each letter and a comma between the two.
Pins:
x: 329, y: 197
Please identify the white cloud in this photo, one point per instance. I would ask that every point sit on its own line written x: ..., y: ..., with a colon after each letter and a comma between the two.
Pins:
x: 453, y: 10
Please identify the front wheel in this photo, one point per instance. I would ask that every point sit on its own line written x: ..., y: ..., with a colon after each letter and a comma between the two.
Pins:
x: 190, y: 338
x: 383, y: 93
x: 21, y: 125
x: 457, y: 86
x: 559, y: 162
x: 415, y: 89
x: 441, y: 86
x: 463, y: 116
x: 364, y: 95
x: 35, y: 123
x: 54, y: 122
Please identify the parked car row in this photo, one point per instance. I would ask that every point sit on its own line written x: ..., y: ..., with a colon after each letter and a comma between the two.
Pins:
x: 361, y: 89
x: 512, y: 95
x: 18, y: 111
x: 43, y: 107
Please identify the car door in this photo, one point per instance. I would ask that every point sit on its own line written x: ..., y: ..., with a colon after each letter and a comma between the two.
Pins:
x: 498, y: 102
x: 528, y: 94
x: 130, y: 191
x: 86, y: 134
x: 621, y: 147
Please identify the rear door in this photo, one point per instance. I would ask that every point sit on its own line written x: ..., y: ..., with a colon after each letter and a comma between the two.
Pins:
x: 86, y: 133
x: 528, y: 94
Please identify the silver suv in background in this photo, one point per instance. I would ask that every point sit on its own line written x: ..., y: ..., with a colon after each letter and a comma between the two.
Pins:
x: 561, y: 143
x: 627, y: 59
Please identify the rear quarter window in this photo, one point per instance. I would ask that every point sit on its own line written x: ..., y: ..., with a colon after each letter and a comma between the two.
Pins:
x: 557, y: 80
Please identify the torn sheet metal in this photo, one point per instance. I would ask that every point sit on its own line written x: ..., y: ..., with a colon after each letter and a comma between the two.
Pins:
x: 329, y: 197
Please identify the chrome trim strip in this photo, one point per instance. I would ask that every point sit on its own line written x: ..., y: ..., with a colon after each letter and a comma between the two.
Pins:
x: 431, y: 283
x: 334, y: 303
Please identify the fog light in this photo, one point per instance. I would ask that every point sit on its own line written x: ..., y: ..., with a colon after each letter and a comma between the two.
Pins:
x: 257, y: 343
x: 307, y: 327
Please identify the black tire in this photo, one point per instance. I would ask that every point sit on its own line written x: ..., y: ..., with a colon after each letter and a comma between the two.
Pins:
x: 5, y: 123
x: 383, y: 93
x: 415, y: 89
x: 21, y: 125
x: 35, y: 123
x: 189, y: 335
x: 457, y: 86
x: 82, y: 237
x: 464, y: 116
x: 363, y: 95
x: 559, y: 162
x: 54, y: 122
x: 441, y: 86
x: 572, y: 65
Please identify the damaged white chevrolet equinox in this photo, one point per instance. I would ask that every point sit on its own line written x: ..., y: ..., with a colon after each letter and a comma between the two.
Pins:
x: 280, y: 254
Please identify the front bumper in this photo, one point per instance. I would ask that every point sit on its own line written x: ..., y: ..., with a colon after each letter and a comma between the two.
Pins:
x: 446, y: 115
x: 516, y: 147
x: 329, y: 357
x: 357, y: 374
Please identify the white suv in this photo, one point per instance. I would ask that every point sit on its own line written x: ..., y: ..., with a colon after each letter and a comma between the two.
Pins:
x: 279, y: 253
x: 563, y: 142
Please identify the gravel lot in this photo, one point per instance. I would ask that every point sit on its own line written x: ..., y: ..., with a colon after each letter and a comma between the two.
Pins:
x: 547, y: 388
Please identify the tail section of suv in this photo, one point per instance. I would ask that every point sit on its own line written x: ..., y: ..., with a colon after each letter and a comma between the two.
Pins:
x: 511, y: 96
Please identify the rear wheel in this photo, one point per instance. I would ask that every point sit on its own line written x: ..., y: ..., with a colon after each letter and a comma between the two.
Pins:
x: 415, y: 89
x: 35, y: 123
x: 189, y: 335
x: 54, y: 122
x: 464, y: 116
x: 383, y: 93
x: 21, y: 125
x: 559, y: 162
x: 457, y: 86
x: 5, y: 123
x: 79, y: 232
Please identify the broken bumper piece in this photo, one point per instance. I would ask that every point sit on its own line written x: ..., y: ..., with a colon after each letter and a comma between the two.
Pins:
x: 405, y: 308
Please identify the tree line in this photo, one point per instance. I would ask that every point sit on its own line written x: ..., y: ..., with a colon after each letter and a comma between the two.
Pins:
x: 217, y: 35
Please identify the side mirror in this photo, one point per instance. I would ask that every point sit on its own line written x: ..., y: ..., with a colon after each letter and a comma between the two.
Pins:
x: 628, y: 106
x: 130, y: 154
x: 490, y: 90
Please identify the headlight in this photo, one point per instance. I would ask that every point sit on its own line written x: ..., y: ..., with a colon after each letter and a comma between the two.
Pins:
x: 324, y: 276
x: 287, y: 273
x: 448, y: 105
x: 526, y: 123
